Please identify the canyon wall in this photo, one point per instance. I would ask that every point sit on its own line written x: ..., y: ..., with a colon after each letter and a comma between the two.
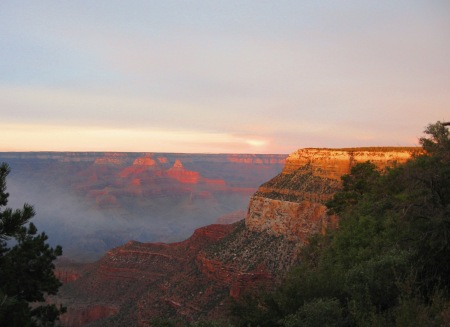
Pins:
x: 196, y: 279
x: 293, y: 203
x: 191, y: 280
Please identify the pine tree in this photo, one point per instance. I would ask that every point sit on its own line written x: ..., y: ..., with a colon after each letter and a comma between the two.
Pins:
x: 26, y: 267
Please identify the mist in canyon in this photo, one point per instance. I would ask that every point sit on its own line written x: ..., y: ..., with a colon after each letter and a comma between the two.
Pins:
x: 91, y: 202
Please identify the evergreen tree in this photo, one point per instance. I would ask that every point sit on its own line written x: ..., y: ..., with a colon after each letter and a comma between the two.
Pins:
x: 26, y: 267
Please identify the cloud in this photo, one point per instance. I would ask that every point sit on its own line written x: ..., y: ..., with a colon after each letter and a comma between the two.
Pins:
x: 23, y: 137
x: 227, y: 68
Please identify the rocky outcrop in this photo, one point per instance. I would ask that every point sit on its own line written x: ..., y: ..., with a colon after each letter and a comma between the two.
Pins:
x: 182, y: 175
x: 139, y: 280
x: 293, y: 203
x: 145, y: 161
x: 143, y: 164
x: 192, y: 280
x: 296, y: 220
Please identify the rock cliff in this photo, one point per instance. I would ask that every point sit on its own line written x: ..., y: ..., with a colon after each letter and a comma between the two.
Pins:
x: 292, y: 203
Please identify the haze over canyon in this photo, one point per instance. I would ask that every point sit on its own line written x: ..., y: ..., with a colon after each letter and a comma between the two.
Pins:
x: 91, y: 202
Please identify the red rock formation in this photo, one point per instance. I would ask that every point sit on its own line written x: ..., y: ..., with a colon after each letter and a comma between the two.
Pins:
x: 139, y: 166
x: 136, y: 182
x: 141, y: 272
x: 163, y: 160
x: 182, y: 175
x: 145, y: 161
x: 192, y: 279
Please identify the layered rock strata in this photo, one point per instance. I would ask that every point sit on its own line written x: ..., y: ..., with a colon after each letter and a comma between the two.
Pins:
x: 293, y: 203
x: 192, y: 280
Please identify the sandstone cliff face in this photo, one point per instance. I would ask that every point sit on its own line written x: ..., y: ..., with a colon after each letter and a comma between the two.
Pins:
x: 296, y: 220
x: 292, y: 203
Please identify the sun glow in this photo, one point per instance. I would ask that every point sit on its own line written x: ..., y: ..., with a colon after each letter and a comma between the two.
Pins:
x: 257, y: 143
x: 25, y: 137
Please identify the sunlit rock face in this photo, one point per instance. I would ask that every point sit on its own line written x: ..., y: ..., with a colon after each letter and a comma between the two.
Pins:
x: 182, y: 175
x: 333, y: 163
x: 145, y: 161
x: 292, y: 203
x: 291, y: 219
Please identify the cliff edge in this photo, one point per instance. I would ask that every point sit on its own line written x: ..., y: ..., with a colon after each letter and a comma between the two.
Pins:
x: 293, y: 203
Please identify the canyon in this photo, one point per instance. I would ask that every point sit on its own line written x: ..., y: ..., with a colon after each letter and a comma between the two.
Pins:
x: 90, y: 202
x: 197, y: 279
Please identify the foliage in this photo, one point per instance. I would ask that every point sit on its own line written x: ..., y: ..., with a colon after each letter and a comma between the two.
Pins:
x: 320, y: 312
x: 26, y: 267
x: 438, y: 142
x: 388, y: 264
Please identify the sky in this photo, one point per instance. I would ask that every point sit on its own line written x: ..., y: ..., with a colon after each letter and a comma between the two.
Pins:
x: 213, y: 76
